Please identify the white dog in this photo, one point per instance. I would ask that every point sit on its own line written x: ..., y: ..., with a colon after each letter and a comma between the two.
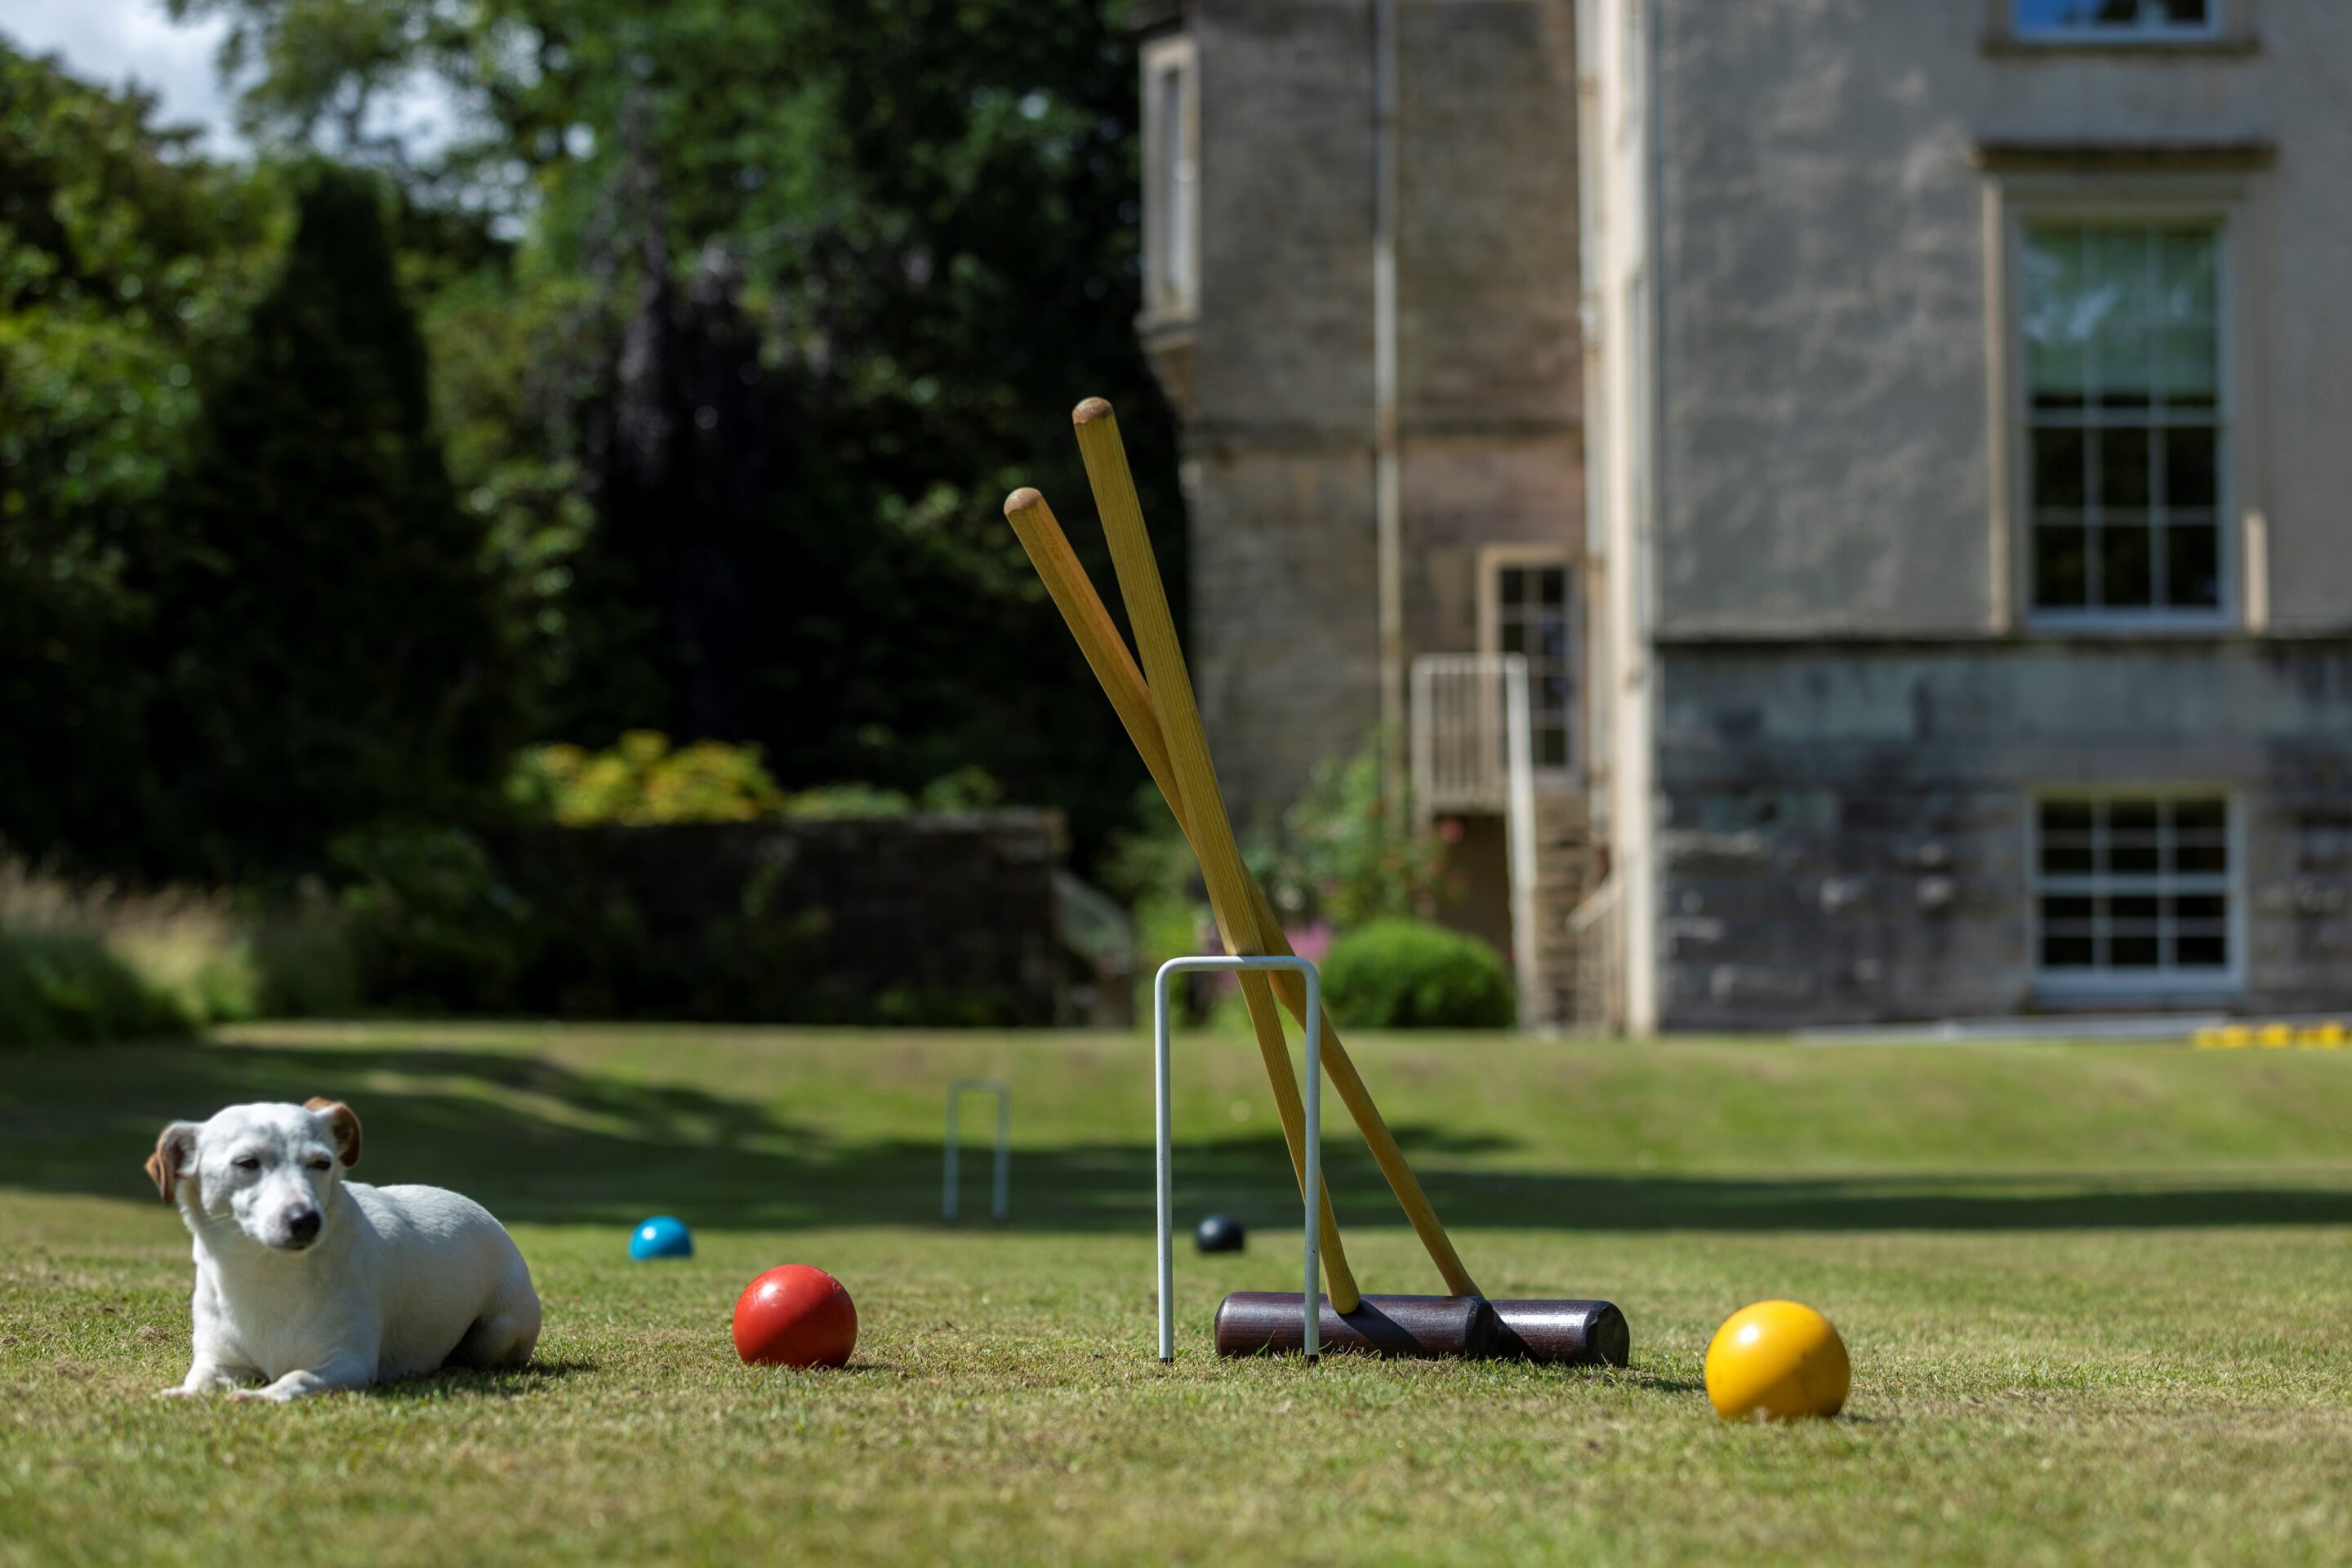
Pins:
x: 308, y: 1283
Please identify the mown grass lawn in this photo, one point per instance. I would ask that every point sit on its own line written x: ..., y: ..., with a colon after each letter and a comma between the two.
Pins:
x: 2099, y: 1300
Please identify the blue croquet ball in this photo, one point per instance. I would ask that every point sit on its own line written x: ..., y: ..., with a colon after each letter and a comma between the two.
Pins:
x: 661, y: 1236
x: 1220, y: 1233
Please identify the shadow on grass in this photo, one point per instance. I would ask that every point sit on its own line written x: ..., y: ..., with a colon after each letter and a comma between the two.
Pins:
x: 541, y: 1142
x: 463, y: 1382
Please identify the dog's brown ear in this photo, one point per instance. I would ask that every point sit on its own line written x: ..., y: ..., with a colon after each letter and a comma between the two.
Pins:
x: 175, y: 1151
x: 341, y: 1124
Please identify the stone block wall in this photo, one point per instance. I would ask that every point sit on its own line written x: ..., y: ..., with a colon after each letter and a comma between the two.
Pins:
x: 1844, y: 831
x: 1274, y: 376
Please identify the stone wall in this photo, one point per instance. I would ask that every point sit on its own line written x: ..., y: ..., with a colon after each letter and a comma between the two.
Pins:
x: 1843, y: 830
x: 1823, y: 294
x: 1276, y: 371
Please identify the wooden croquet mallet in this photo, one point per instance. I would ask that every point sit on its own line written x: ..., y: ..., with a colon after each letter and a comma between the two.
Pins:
x: 1164, y: 721
x: 1106, y: 652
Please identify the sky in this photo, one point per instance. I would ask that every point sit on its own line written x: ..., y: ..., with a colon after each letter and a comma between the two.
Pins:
x: 116, y: 41
x: 113, y: 41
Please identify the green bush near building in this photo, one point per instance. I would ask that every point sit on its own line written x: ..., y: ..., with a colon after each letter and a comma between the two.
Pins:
x: 1406, y: 974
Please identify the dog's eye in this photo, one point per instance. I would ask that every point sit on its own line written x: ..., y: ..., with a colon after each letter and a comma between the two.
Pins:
x: 318, y: 1164
x: 247, y: 1163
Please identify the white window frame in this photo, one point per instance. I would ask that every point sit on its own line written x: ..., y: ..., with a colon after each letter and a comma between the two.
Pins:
x: 2152, y: 985
x: 1171, y: 155
x: 1492, y: 561
x: 2143, y: 31
x: 2017, y: 202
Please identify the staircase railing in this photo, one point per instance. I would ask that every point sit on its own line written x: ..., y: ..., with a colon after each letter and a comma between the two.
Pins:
x: 1473, y: 750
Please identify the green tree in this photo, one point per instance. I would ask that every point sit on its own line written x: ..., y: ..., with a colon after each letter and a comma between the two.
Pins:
x: 327, y: 626
x: 122, y: 259
x: 803, y: 289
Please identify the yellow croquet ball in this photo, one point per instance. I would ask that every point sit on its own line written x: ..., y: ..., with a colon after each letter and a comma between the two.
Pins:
x: 1779, y: 1360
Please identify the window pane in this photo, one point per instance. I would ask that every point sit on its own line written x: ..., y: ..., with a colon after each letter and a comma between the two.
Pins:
x: 2190, y: 482
x: 2120, y: 298
x: 2056, y: 328
x: 2124, y: 469
x: 1555, y: 586
x: 2200, y: 815
x: 2066, y: 838
x: 2066, y: 855
x: 2198, y: 909
x: 2132, y: 837
x: 1175, y: 209
x: 2065, y: 951
x: 2188, y: 368
x: 2124, y: 563
x: 2201, y: 950
x: 2058, y: 466
x: 1552, y: 748
x: 2067, y: 933
x: 2120, y: 320
x: 2059, y: 583
x: 1514, y: 588
x: 2066, y: 816
x: 2144, y: 913
x: 2110, y: 15
x: 2201, y: 838
x: 2192, y: 578
x: 2203, y: 859
x: 2185, y: 270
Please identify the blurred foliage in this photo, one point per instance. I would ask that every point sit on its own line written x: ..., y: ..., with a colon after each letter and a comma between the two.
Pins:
x: 431, y: 921
x: 742, y: 320
x: 1344, y: 855
x: 329, y: 641
x: 644, y: 779
x: 93, y: 962
x: 123, y: 264
x: 1150, y: 869
x: 1406, y: 974
x: 797, y: 293
x: 675, y: 393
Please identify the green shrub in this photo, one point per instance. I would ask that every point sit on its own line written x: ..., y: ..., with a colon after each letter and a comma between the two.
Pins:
x: 644, y: 782
x: 433, y: 924
x: 645, y: 779
x: 1404, y: 975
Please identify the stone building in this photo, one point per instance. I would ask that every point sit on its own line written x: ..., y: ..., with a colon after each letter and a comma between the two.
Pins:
x: 1960, y: 391
x: 1264, y: 173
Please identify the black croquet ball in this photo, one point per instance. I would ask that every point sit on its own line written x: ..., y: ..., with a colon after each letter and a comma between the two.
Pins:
x: 1220, y: 1233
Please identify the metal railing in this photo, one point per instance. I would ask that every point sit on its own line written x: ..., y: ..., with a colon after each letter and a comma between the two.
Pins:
x: 1472, y: 750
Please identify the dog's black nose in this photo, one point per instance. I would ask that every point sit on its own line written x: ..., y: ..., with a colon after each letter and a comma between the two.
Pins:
x: 303, y: 1225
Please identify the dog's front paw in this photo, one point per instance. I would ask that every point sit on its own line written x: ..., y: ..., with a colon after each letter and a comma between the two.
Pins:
x: 177, y: 1391
x: 272, y: 1395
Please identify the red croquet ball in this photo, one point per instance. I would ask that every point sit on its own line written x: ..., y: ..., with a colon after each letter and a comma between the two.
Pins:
x: 795, y: 1315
